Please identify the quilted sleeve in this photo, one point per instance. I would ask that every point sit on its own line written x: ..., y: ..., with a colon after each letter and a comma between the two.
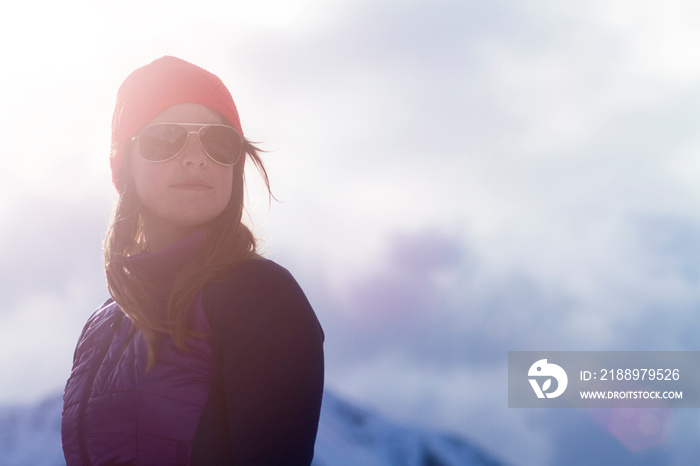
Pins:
x: 269, y: 347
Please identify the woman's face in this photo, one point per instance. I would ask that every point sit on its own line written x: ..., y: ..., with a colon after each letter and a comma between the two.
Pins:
x: 180, y: 195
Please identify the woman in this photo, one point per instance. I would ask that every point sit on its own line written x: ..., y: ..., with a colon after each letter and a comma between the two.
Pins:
x: 207, y: 353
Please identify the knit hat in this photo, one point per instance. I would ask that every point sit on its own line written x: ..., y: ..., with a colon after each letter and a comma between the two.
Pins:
x: 149, y: 90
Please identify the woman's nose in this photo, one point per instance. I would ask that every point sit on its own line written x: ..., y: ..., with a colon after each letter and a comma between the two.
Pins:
x: 193, y: 152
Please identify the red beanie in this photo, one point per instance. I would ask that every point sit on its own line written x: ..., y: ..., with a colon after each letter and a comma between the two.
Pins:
x: 149, y: 90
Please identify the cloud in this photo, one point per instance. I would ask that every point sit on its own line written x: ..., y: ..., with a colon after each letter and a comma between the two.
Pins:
x: 425, y: 332
x: 46, y: 245
x: 51, y: 277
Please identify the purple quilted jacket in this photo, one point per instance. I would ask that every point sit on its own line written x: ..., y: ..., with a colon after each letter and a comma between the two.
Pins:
x: 138, y: 416
x: 247, y: 393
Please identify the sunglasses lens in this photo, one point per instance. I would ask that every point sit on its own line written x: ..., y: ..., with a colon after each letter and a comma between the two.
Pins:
x: 222, y: 143
x: 162, y: 141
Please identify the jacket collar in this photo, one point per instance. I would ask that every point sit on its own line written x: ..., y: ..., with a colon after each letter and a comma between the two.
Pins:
x: 161, y: 268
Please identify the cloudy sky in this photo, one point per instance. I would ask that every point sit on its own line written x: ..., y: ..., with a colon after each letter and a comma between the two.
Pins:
x: 456, y: 179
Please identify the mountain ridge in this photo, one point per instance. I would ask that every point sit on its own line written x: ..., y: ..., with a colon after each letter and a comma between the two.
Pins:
x: 30, y: 435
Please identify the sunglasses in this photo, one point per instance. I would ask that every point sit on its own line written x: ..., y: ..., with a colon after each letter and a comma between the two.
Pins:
x: 164, y: 141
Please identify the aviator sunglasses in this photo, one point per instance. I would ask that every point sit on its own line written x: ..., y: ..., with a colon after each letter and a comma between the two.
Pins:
x: 164, y: 141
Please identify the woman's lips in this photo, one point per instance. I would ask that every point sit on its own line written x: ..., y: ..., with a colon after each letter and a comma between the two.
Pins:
x: 191, y: 183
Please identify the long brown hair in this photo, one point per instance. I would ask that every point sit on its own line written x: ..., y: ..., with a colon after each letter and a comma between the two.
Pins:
x: 227, y: 242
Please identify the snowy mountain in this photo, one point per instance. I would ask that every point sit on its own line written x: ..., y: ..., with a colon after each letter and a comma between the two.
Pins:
x: 352, y: 436
x: 348, y: 436
x: 31, y: 435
